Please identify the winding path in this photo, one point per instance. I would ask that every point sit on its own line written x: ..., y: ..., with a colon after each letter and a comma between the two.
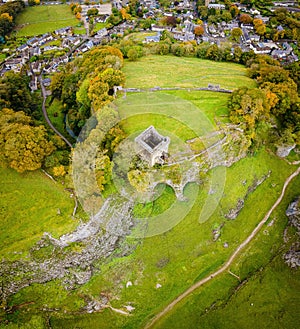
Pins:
x: 46, y: 114
x: 230, y: 260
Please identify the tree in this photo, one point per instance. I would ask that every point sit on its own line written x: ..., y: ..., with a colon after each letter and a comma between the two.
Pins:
x: 234, y: 11
x: 68, y: 93
x: 15, y: 94
x: 199, y: 30
x: 59, y: 171
x: 113, y: 78
x: 103, y: 170
x: 82, y: 94
x: 138, y: 179
x: 132, y: 54
x: 272, y: 73
x: 214, y: 53
x: 98, y: 93
x: 170, y: 20
x: 259, y: 26
x: 236, y: 33
x: 92, y: 12
x: 56, y: 86
x: 248, y: 106
x: 124, y: 14
x: 22, y: 147
x: 237, y: 54
x: 286, y: 96
x: 246, y: 19
x: 8, y: 14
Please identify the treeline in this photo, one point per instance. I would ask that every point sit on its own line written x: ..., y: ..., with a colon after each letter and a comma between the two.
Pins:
x: 85, y: 87
x: 8, y: 14
x: 270, y: 113
x: 168, y: 45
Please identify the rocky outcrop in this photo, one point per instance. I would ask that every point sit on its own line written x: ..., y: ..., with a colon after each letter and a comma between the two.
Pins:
x: 284, y: 150
x: 101, y: 236
x: 292, y: 257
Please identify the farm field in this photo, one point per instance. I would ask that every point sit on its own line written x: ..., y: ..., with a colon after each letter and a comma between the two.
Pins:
x: 163, y: 266
x: 41, y: 19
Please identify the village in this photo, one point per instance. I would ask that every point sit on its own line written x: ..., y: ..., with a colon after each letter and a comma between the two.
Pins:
x: 39, y: 56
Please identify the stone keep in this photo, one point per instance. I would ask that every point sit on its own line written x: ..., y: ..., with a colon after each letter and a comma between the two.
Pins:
x: 151, y: 146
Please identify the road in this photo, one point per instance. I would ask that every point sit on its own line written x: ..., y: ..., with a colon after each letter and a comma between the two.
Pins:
x: 230, y: 260
x: 46, y: 114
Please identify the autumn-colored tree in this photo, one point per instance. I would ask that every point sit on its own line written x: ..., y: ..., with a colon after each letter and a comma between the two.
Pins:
x: 22, y: 146
x: 113, y: 77
x: 259, y: 26
x: 286, y: 96
x: 7, y: 17
x: 272, y: 73
x: 98, y: 93
x: 170, y: 20
x: 124, y: 14
x: 248, y: 106
x: 199, y: 30
x: 59, y: 171
x: 246, y: 19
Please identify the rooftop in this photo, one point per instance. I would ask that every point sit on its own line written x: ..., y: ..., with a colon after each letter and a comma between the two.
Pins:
x: 150, y: 139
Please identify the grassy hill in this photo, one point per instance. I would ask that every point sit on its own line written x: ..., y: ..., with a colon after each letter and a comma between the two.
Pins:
x: 183, y: 255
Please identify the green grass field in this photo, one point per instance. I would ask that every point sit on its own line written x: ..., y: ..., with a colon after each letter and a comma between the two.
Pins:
x: 267, y: 295
x: 171, y: 71
x: 41, y: 19
x: 29, y: 207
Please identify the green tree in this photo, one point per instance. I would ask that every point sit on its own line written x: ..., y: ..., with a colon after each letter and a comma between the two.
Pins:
x: 15, y: 93
x: 213, y: 52
x: 236, y: 33
x: 132, y: 54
